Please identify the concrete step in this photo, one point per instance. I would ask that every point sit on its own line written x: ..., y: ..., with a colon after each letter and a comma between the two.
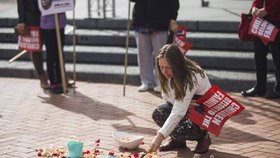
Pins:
x: 203, y: 41
x: 227, y: 80
x: 121, y: 24
x: 101, y: 50
x: 222, y: 60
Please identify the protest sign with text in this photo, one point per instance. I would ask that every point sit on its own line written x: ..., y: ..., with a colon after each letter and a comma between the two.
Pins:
x: 31, y: 42
x: 215, y: 108
x: 180, y: 40
x: 262, y: 29
x: 48, y: 7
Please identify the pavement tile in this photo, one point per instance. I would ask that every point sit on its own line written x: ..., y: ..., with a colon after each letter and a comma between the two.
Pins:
x: 31, y: 118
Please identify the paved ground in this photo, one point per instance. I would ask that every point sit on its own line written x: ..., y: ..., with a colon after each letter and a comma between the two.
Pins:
x: 31, y: 119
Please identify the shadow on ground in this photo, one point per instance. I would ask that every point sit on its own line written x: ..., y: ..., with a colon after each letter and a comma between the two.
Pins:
x: 81, y: 104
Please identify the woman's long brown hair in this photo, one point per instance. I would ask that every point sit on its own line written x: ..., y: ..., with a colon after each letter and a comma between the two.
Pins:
x: 183, y: 69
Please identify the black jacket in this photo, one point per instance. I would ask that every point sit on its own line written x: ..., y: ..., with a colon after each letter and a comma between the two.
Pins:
x: 28, y: 12
x: 154, y: 14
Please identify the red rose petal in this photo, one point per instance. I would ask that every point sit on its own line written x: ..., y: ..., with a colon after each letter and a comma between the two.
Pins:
x: 136, y: 155
x: 39, y: 154
x: 97, y: 141
x: 111, y: 153
x: 96, y: 151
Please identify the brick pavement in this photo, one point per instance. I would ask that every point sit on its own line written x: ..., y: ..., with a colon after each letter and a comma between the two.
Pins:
x: 30, y: 119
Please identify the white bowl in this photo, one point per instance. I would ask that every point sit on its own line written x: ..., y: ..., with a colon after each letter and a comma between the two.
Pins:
x: 126, y: 140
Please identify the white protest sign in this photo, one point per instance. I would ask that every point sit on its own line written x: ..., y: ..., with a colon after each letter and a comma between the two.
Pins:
x: 263, y: 29
x: 48, y: 7
x: 31, y: 42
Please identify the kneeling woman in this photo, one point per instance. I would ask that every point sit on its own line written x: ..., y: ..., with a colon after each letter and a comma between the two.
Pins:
x: 180, y: 79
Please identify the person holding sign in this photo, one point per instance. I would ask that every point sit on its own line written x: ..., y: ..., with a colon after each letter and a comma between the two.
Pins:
x: 49, y: 37
x: 29, y: 15
x: 268, y: 10
x: 180, y: 79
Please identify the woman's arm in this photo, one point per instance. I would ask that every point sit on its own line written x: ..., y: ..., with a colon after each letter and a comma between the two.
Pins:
x: 178, y: 112
x: 20, y: 8
x: 21, y: 17
x: 272, y: 7
x: 174, y: 7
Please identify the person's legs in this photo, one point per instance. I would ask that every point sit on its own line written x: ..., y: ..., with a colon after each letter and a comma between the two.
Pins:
x: 37, y: 59
x: 145, y: 61
x: 160, y: 115
x: 50, y: 43
x: 159, y: 39
x: 53, y: 65
x: 186, y: 130
x: 261, y: 64
x: 261, y: 70
x: 203, y: 143
x: 275, y: 51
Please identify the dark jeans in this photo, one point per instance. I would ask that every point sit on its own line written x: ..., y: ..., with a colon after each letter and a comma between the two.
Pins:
x: 37, y: 59
x: 261, y: 51
x: 185, y: 130
x: 53, y: 66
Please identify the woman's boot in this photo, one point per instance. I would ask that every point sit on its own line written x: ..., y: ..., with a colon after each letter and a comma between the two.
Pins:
x: 203, y: 144
x: 173, y: 144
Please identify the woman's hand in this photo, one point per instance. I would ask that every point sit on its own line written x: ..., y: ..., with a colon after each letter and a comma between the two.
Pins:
x: 21, y: 28
x: 254, y: 11
x: 193, y: 103
x: 259, y: 12
x: 173, y: 26
x: 156, y: 143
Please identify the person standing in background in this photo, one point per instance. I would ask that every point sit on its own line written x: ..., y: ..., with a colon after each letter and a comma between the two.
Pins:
x: 269, y: 10
x: 29, y: 15
x: 50, y: 40
x: 151, y: 21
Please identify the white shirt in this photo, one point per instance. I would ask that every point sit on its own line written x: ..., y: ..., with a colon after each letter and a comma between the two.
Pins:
x: 180, y: 107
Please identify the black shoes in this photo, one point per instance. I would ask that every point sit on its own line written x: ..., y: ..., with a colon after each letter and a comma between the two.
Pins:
x: 273, y: 95
x: 203, y: 144
x: 55, y: 90
x: 172, y: 145
x: 253, y: 92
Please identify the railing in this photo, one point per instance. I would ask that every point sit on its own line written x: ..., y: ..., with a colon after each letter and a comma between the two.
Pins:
x: 101, y: 8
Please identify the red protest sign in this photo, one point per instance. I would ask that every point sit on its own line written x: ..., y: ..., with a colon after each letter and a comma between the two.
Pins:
x: 216, y: 107
x: 31, y: 42
x: 263, y: 29
x: 180, y: 40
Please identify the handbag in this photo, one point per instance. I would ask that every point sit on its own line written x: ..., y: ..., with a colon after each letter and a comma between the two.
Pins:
x: 243, y: 29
